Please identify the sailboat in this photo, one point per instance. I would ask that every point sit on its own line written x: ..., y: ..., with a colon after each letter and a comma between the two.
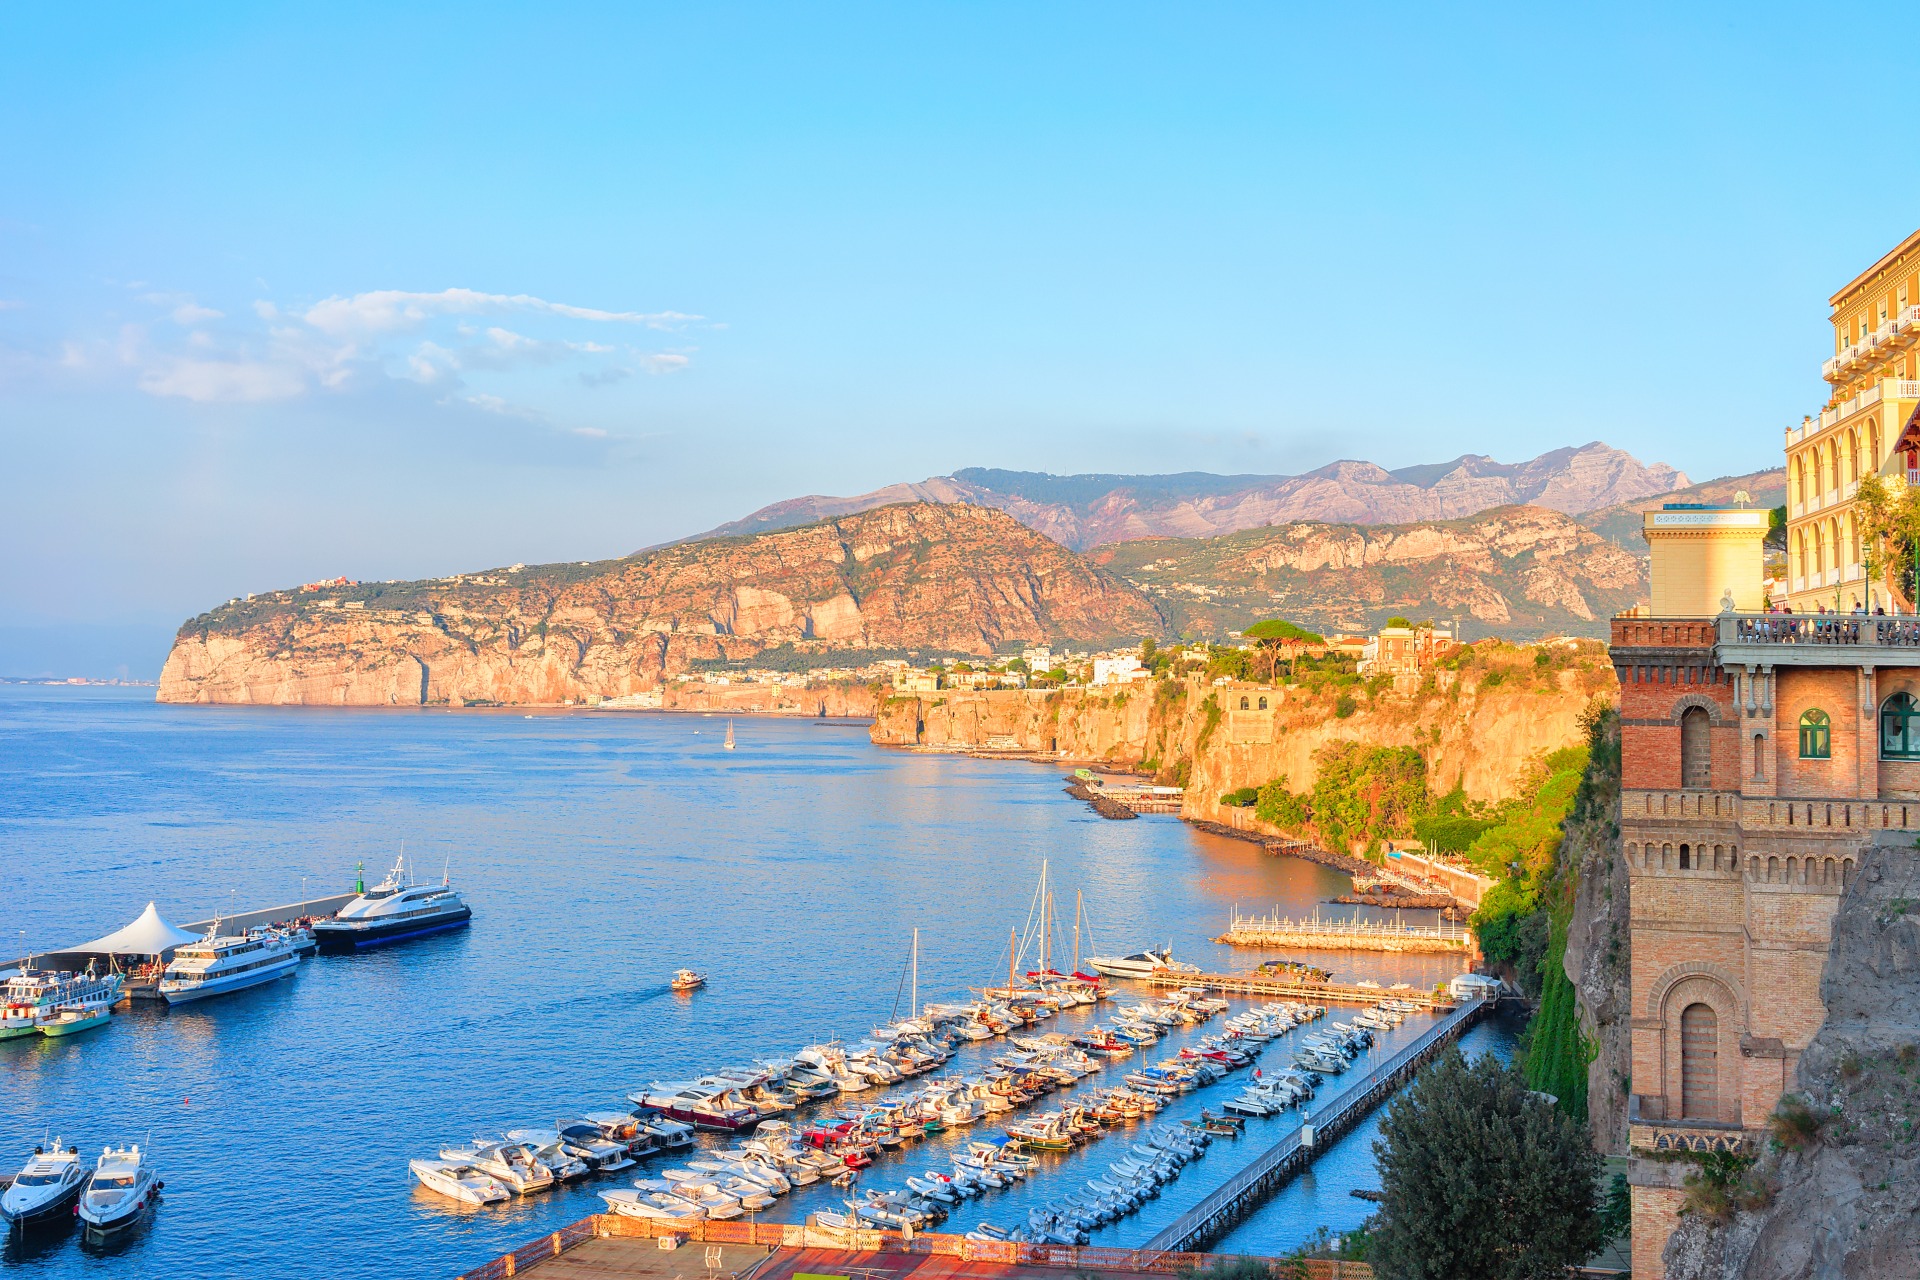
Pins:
x: 728, y: 744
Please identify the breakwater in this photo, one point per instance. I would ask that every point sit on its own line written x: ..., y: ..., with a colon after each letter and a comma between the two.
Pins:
x: 1341, y: 935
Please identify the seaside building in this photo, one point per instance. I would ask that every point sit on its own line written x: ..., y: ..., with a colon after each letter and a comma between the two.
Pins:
x: 1123, y: 669
x: 1405, y: 651
x: 1866, y: 428
x: 1761, y: 754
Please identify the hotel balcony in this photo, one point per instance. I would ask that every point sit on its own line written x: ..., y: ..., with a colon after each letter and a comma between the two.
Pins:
x: 1896, y: 335
x: 1817, y: 640
x: 1885, y: 389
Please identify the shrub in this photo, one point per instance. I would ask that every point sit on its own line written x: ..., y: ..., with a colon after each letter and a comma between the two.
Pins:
x: 1719, y: 1185
x: 1795, y: 1125
x: 1344, y: 706
x: 1236, y: 1268
x: 1242, y: 799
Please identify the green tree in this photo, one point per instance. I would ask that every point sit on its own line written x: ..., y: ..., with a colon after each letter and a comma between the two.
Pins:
x: 1482, y: 1180
x: 1890, y: 530
x: 1397, y: 621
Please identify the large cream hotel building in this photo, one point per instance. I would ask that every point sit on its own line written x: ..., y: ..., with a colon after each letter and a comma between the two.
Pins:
x: 1867, y: 427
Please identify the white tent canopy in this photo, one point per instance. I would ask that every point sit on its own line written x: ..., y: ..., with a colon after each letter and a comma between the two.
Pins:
x: 148, y: 936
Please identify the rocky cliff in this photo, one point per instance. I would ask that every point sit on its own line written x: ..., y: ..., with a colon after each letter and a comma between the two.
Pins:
x: 1085, y: 511
x: 1599, y: 944
x: 1840, y: 1197
x: 940, y: 578
x: 1475, y: 732
x: 1520, y: 572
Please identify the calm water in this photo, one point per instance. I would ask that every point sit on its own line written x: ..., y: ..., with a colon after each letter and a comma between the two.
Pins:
x: 599, y: 853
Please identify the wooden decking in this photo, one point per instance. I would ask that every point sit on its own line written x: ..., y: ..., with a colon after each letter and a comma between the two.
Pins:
x: 1272, y: 988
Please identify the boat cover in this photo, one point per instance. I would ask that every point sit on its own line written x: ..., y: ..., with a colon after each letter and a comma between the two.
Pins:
x: 150, y: 935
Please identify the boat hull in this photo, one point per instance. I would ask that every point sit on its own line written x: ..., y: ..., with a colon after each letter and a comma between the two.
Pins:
x: 57, y: 1208
x: 74, y: 1026
x: 226, y: 985
x: 333, y: 936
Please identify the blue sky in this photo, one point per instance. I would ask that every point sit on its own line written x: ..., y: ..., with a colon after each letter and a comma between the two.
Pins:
x: 288, y: 291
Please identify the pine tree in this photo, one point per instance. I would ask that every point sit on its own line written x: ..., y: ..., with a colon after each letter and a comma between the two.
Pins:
x: 1482, y: 1180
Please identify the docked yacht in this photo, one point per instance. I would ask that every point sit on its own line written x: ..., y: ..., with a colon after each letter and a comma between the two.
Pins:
x: 458, y: 1181
x: 118, y: 1195
x: 45, y: 1190
x: 1141, y: 964
x: 704, y: 1105
x: 394, y: 909
x: 215, y: 965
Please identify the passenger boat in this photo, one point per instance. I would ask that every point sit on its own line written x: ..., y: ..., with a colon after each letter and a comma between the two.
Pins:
x: 458, y: 1181
x: 44, y: 1191
x: 687, y: 980
x: 393, y: 910
x: 123, y: 1187
x: 33, y: 999
x: 215, y: 965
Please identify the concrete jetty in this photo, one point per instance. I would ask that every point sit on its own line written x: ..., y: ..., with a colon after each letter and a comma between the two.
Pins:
x: 239, y: 922
x: 1273, y: 987
x: 1320, y: 1124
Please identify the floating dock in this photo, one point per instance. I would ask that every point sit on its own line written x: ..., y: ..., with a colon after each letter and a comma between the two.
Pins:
x: 1316, y: 934
x: 1320, y: 1125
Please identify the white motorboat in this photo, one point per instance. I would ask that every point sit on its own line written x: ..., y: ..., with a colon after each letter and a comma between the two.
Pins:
x: 44, y: 1191
x: 512, y: 1163
x: 653, y: 1204
x: 602, y: 1153
x: 215, y: 965
x: 458, y: 1181
x: 392, y: 910
x: 551, y: 1150
x: 119, y: 1193
x: 1141, y: 964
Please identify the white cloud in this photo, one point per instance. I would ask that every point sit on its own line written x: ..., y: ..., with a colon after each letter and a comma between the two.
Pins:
x: 664, y: 363
x: 192, y: 313
x: 387, y: 310
x: 210, y: 381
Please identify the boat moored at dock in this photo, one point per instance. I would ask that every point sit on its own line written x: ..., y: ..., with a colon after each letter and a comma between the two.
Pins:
x: 393, y: 910
x: 123, y: 1187
x: 216, y: 965
x: 44, y: 1191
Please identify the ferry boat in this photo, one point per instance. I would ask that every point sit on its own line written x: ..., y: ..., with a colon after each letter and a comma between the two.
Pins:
x: 35, y: 1003
x: 392, y: 910
x: 45, y: 1190
x: 215, y: 965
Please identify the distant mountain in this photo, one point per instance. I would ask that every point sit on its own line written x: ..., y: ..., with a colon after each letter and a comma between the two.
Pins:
x: 933, y: 577
x: 1515, y: 572
x: 1083, y: 511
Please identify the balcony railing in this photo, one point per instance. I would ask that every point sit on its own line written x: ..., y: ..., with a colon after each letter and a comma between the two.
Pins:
x: 1819, y: 629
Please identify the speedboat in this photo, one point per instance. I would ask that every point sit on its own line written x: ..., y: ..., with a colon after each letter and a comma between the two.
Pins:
x: 1141, y: 964
x: 658, y: 1205
x: 45, y: 1190
x: 703, y: 1104
x: 602, y: 1152
x: 118, y: 1195
x: 215, y: 965
x: 458, y: 1181
x: 394, y: 909
x: 687, y: 980
x: 511, y: 1163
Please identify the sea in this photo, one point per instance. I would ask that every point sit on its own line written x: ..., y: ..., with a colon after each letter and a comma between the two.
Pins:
x: 600, y: 852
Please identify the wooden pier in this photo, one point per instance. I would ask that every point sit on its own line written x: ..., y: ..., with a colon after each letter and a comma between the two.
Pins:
x: 1314, y: 933
x: 1265, y: 986
x: 1320, y: 1125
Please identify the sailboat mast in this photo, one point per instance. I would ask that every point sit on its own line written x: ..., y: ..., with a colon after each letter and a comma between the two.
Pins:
x: 1011, y: 940
x: 913, y: 1010
x: 1076, y: 930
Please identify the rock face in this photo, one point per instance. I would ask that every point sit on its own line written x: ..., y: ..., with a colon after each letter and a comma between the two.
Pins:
x: 1193, y: 733
x: 1598, y: 948
x: 946, y: 578
x: 1847, y: 1207
x: 1523, y: 572
x: 1089, y: 510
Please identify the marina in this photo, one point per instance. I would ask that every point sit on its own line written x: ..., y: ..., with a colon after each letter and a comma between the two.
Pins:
x: 555, y: 1006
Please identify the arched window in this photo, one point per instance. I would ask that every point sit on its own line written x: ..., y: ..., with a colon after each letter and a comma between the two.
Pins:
x: 1900, y: 728
x: 1699, y: 1054
x: 1873, y: 445
x: 1759, y: 757
x: 1263, y: 702
x: 1243, y: 704
x: 1800, y: 545
x: 1819, y: 549
x: 1853, y: 456
x: 1696, y: 748
x: 1816, y: 736
x: 1800, y: 480
x: 1686, y: 861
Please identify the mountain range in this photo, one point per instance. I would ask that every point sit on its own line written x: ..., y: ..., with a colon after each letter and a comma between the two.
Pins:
x: 1085, y: 511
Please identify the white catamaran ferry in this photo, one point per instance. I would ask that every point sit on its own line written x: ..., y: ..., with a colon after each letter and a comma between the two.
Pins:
x: 395, y: 908
x: 216, y: 965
